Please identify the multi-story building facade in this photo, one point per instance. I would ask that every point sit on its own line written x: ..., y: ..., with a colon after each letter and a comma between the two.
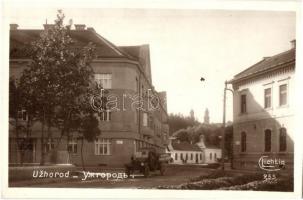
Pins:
x: 263, y: 111
x: 125, y: 72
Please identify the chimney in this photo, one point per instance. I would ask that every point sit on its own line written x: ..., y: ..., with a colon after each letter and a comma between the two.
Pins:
x: 48, y: 26
x: 293, y: 44
x: 13, y: 26
x: 80, y: 27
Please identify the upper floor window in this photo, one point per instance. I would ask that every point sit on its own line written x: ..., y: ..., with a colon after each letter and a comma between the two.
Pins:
x: 145, y: 119
x: 243, y: 142
x: 102, y: 146
x: 267, y: 98
x: 104, y: 80
x: 267, y: 138
x: 105, y: 115
x: 283, y: 95
x: 282, y: 138
x: 243, y: 103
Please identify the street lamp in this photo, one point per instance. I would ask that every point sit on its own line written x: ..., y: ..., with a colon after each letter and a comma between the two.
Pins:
x: 223, y: 124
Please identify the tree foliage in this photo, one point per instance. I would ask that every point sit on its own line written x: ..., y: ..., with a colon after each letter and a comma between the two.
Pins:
x: 178, y: 121
x: 57, y: 83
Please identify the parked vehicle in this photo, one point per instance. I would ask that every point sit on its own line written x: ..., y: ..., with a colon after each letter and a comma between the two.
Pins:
x: 147, y: 160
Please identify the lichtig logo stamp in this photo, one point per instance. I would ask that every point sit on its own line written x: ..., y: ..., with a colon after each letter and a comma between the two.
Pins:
x: 271, y: 164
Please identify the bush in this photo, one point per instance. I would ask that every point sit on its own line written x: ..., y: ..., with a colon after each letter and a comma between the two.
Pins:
x: 280, y: 184
x: 213, y: 175
x: 215, y: 180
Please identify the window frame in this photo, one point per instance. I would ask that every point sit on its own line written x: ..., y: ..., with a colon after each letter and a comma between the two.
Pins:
x: 243, y: 107
x: 105, y: 115
x: 102, y: 142
x: 73, y: 142
x: 101, y: 80
x: 266, y: 141
x: 243, y: 144
x: 285, y: 93
x: 145, y: 119
x: 282, y: 138
x: 268, y: 96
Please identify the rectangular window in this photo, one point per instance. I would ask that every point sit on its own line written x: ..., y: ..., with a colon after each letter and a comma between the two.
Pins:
x: 243, y: 103
x: 22, y: 115
x: 102, y: 146
x: 104, y: 80
x: 49, y: 145
x: 145, y: 119
x: 283, y: 142
x: 105, y: 115
x: 243, y: 142
x: 267, y: 98
x: 283, y: 95
x: 176, y: 156
x: 267, y: 140
x: 72, y: 145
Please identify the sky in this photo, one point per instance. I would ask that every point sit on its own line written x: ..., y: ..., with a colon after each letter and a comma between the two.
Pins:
x: 185, y: 45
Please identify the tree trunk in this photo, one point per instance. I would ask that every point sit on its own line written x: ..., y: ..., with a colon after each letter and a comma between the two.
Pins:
x: 42, y: 160
x: 82, y: 160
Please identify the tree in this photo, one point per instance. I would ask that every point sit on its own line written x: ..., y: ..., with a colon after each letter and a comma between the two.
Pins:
x: 58, y: 79
x: 177, y: 122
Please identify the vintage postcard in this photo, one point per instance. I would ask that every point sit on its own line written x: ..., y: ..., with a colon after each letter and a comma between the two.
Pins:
x: 146, y: 99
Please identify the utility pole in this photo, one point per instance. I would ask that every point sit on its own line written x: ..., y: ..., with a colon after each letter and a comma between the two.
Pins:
x: 223, y: 124
x: 223, y: 127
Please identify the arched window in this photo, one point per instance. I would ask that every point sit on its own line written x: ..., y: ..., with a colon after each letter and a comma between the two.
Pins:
x: 283, y: 143
x: 267, y: 142
x: 243, y: 142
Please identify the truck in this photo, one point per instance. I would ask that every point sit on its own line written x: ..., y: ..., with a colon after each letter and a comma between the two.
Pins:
x: 147, y: 160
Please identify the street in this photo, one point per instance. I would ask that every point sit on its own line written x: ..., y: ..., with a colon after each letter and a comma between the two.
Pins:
x: 175, y: 175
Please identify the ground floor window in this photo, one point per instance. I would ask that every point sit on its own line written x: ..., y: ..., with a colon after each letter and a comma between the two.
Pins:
x: 243, y: 142
x: 102, y: 146
x: 267, y: 138
x: 283, y: 143
x: 176, y: 156
x: 210, y: 156
x: 200, y: 156
x: 49, y: 145
x: 72, y: 145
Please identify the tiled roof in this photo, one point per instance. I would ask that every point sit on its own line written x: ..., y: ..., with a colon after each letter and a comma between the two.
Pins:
x: 268, y: 63
x: 21, y: 38
x: 134, y: 51
x: 185, y: 146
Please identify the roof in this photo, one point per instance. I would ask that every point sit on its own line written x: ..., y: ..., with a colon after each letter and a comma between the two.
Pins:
x: 185, y: 146
x: 23, y: 37
x: 267, y: 64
